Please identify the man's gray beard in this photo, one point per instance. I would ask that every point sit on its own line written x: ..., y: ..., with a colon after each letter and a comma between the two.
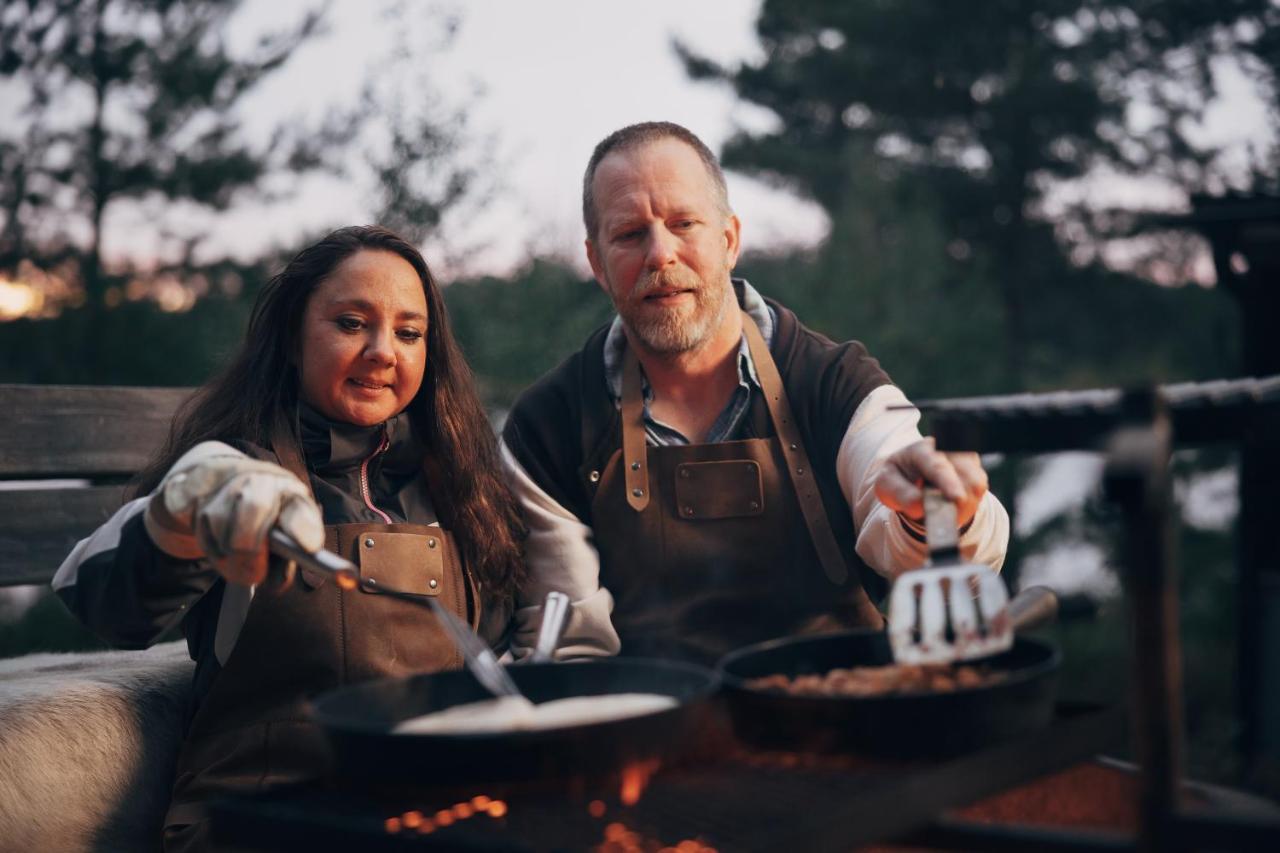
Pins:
x: 672, y: 334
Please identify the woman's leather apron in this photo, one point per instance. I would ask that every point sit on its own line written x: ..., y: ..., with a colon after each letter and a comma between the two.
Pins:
x: 708, y: 547
x: 252, y: 730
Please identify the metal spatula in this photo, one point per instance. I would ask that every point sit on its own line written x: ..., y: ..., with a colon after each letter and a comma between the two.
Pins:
x: 954, y: 610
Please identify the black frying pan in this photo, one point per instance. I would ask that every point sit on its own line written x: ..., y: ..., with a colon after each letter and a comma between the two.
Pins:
x: 915, y: 725
x: 359, y: 719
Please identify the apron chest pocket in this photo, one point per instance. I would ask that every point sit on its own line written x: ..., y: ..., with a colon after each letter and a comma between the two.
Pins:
x: 725, y: 489
x: 408, y: 562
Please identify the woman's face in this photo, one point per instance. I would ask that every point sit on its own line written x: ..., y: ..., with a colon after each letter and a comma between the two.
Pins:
x: 363, y: 345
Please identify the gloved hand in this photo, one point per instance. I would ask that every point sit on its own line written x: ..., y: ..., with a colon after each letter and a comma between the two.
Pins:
x: 219, y: 504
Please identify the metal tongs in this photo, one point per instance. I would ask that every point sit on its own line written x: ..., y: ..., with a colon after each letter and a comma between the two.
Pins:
x: 952, y: 610
x: 476, y: 653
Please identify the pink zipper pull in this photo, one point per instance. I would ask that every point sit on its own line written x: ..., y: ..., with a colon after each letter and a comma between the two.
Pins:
x: 364, y: 476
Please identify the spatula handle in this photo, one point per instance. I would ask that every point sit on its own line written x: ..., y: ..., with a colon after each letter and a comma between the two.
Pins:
x: 1033, y: 607
x: 940, y: 531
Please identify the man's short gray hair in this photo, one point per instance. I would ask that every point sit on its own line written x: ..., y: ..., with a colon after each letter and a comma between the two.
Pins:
x: 636, y: 136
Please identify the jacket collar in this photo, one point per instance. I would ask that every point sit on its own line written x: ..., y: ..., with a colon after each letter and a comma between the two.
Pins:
x: 331, y: 446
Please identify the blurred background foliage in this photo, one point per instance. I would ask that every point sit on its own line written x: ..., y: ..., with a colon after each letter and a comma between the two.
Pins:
x: 947, y: 143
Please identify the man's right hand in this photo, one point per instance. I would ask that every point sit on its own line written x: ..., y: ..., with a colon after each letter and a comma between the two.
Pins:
x: 218, y: 504
x: 959, y: 476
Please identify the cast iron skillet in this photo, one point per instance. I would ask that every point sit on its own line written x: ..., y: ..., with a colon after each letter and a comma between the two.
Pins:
x: 358, y: 721
x: 919, y: 725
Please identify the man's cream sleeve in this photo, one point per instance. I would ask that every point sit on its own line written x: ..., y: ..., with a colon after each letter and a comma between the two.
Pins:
x: 561, y: 556
x: 875, y: 432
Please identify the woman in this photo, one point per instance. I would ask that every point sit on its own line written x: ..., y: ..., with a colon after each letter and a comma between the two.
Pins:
x: 348, y: 419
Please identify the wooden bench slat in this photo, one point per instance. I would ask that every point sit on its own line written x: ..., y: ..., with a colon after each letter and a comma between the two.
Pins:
x: 39, y: 527
x: 82, y: 431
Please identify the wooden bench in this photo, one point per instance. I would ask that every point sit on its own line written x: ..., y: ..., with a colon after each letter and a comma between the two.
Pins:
x: 97, y: 437
x: 88, y: 741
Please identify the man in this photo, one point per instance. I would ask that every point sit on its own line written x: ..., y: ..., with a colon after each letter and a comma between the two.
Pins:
x: 706, y: 467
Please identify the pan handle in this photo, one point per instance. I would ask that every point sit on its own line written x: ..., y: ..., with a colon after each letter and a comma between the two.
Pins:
x: 1033, y: 607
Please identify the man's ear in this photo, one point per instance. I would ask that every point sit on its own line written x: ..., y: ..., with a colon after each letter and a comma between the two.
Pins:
x: 733, y: 240
x: 597, y: 267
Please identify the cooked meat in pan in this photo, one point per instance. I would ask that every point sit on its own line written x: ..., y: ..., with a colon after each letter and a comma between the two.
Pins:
x: 881, y: 680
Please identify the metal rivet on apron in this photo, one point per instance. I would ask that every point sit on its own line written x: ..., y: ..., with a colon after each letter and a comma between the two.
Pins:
x: 433, y: 583
x: 638, y: 492
x: 594, y: 476
x: 684, y: 472
x: 431, y: 543
x: 368, y: 543
x: 754, y: 505
x: 635, y: 466
x: 751, y: 467
x: 800, y: 472
x: 793, y: 446
x: 688, y: 510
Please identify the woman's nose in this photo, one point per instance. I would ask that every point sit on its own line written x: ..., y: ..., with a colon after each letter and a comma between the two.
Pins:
x: 380, y: 348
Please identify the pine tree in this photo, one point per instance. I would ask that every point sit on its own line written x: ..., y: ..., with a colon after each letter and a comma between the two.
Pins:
x: 117, y: 100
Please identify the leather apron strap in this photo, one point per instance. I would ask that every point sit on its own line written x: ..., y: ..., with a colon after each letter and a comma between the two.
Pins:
x: 635, y: 462
x: 793, y: 450
x: 284, y: 444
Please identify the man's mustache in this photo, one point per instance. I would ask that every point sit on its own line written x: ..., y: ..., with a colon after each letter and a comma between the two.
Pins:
x: 659, y: 280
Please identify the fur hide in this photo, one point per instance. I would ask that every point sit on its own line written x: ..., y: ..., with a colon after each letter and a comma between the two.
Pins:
x: 88, y: 744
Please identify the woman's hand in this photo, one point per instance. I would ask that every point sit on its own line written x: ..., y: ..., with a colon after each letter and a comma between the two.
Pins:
x: 959, y: 476
x: 218, y: 504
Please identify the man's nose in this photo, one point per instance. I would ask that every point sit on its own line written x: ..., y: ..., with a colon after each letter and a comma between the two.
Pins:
x: 662, y: 248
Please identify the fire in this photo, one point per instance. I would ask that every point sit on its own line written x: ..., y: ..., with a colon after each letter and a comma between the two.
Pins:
x: 635, y: 778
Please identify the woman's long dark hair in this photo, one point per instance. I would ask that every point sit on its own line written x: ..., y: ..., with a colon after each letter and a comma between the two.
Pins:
x: 259, y: 388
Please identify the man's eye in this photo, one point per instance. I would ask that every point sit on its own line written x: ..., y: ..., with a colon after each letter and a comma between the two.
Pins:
x: 683, y: 224
x: 628, y: 236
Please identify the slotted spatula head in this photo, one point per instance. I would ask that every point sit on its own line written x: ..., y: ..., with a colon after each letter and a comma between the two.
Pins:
x: 951, y: 610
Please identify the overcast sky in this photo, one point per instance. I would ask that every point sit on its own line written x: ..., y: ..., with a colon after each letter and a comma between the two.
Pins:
x: 542, y: 82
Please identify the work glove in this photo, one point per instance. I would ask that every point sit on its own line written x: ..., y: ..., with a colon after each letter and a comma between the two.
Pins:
x: 218, y: 504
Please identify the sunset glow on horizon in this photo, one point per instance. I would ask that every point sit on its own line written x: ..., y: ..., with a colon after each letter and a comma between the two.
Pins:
x: 19, y: 300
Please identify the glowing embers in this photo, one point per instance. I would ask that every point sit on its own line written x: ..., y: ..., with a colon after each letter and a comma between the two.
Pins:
x: 635, y: 778
x: 618, y: 838
x: 416, y: 821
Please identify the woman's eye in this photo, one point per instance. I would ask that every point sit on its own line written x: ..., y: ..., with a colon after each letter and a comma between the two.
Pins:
x: 410, y: 335
x: 349, y: 324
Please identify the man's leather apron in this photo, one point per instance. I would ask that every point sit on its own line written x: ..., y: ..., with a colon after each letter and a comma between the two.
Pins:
x: 251, y: 730
x: 708, y: 547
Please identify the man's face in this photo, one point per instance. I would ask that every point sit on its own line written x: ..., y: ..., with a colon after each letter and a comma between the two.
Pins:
x: 664, y: 248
